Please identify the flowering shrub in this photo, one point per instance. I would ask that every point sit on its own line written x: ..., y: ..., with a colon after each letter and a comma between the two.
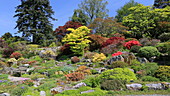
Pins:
x: 116, y: 54
x: 129, y: 44
x: 98, y: 57
x: 15, y: 55
x: 76, y: 76
x: 112, y: 40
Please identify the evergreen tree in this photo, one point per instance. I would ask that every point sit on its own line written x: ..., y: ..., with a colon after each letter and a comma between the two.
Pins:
x: 33, y: 20
x: 123, y: 11
x: 161, y: 3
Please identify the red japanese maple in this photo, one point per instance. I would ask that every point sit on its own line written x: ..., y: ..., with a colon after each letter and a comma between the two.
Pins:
x: 131, y: 43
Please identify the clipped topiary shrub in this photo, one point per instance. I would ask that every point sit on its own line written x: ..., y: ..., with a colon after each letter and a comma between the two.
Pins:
x: 148, y: 52
x: 114, y: 84
x: 118, y: 73
x: 118, y: 64
x: 149, y: 79
x: 163, y: 73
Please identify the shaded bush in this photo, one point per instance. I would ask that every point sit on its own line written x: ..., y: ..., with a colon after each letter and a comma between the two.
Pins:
x: 163, y: 73
x: 135, y: 49
x: 163, y: 47
x: 150, y: 79
x: 164, y: 37
x: 118, y: 73
x: 7, y: 52
x: 65, y: 50
x: 148, y: 42
x: 151, y: 68
x: 148, y: 52
x: 113, y: 84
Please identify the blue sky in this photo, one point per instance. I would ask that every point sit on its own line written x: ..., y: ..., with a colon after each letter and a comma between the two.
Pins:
x: 63, y: 10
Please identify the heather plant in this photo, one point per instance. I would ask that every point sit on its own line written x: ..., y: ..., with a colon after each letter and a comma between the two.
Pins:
x: 77, y: 42
x: 118, y: 73
x: 148, y: 52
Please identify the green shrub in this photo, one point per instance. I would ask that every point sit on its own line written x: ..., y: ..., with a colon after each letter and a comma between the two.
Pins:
x: 92, y: 81
x: 150, y: 68
x: 118, y: 64
x: 150, y: 79
x: 163, y: 73
x: 118, y: 73
x: 135, y: 49
x: 113, y: 84
x: 19, y: 90
x: 164, y: 37
x: 47, y: 85
x: 36, y: 76
x: 148, y: 52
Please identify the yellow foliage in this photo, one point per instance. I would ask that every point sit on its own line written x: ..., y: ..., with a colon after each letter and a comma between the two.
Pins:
x: 98, y: 57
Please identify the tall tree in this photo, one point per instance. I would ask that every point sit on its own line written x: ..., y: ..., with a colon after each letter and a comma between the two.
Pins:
x: 33, y: 20
x: 93, y: 9
x: 161, y: 3
x: 79, y: 16
x: 123, y: 11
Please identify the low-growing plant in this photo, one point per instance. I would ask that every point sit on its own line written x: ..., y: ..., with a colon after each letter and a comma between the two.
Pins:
x: 84, y: 70
x: 19, y: 90
x: 92, y: 81
x: 118, y: 64
x: 151, y: 68
x: 98, y: 57
x: 149, y: 79
x: 47, y: 86
x: 16, y: 55
x: 75, y: 76
x: 114, y: 84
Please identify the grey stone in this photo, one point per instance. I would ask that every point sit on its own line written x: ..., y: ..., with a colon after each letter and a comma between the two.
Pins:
x: 79, y: 85
x: 157, y: 86
x: 57, y: 89
x: 115, y: 58
x: 134, y: 86
x: 26, y: 65
x: 88, y: 91
x: 42, y: 93
x: 5, y: 94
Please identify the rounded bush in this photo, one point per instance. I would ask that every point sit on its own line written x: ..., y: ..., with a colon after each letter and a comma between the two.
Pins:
x: 164, y: 37
x: 163, y: 73
x: 148, y: 52
x: 118, y: 73
x: 150, y: 68
x: 135, y: 49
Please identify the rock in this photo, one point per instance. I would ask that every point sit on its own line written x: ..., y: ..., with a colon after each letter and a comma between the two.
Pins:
x: 100, y: 70
x: 134, y: 86
x: 166, y: 85
x: 79, y: 85
x: 142, y: 60
x: 157, y: 86
x: 57, y: 90
x: 30, y: 69
x: 88, y: 91
x: 131, y: 70
x: 26, y: 65
x: 5, y: 94
x: 42, y: 93
x: 115, y: 58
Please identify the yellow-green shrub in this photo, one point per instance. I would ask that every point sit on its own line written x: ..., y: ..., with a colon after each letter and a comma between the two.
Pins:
x: 98, y: 57
x: 78, y: 39
x: 163, y: 73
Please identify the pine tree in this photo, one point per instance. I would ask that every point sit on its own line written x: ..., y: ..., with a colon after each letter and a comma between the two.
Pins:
x: 33, y: 20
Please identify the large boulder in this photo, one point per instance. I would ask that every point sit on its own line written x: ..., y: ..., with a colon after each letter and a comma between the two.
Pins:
x: 115, y: 58
x: 134, y: 86
x: 155, y: 86
x: 79, y: 85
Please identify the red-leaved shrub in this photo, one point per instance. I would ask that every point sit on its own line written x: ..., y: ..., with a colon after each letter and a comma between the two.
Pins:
x: 15, y: 55
x: 7, y: 52
x: 112, y: 40
x: 116, y: 54
x: 129, y: 44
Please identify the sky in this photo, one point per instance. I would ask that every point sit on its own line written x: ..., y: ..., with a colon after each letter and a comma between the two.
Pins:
x: 63, y: 10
